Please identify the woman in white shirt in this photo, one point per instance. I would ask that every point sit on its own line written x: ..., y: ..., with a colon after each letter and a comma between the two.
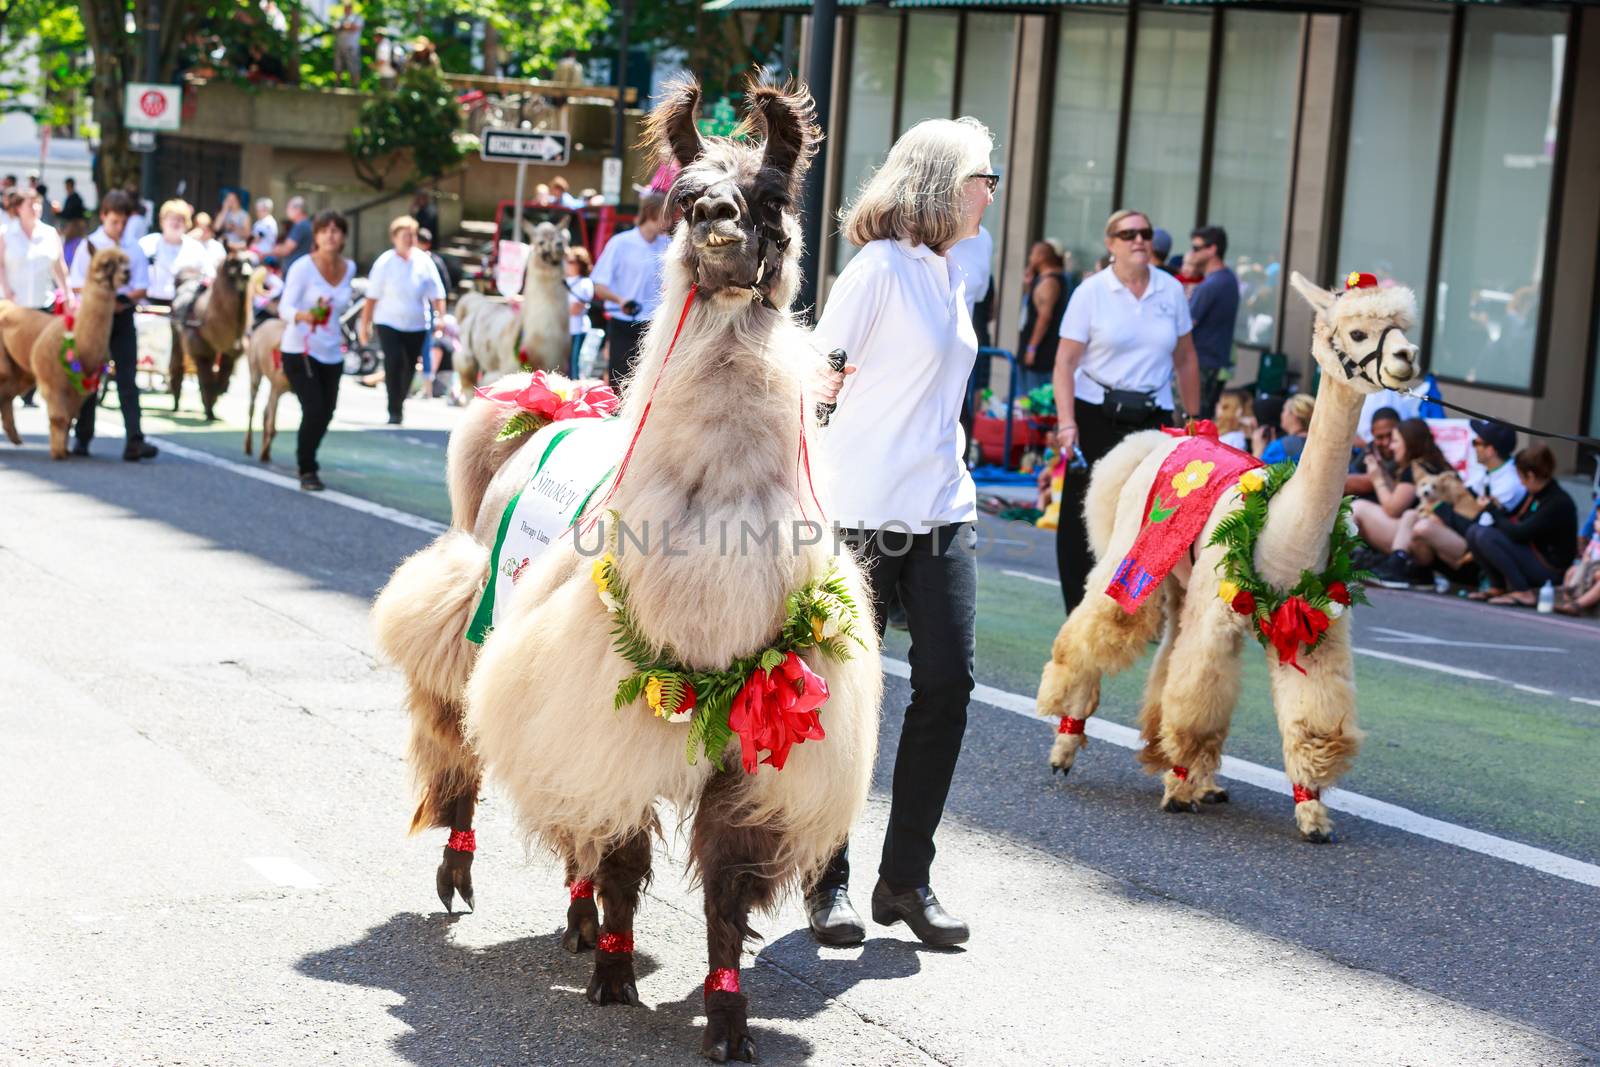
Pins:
x: 402, y: 283
x: 173, y: 253
x: 1125, y: 333
x: 581, y: 288
x: 32, y: 269
x: 264, y: 231
x: 901, y: 489
x: 316, y: 293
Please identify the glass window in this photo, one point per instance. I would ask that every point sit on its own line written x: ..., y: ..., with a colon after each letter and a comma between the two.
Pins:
x: 1392, y: 163
x: 1250, y: 161
x: 930, y: 77
x: 1083, y: 132
x: 869, y: 124
x: 990, y: 43
x: 1502, y: 155
x: 1166, y: 118
x: 1594, y: 389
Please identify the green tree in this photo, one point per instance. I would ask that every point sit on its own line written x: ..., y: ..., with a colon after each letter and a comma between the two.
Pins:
x: 43, y: 74
x: 418, y: 119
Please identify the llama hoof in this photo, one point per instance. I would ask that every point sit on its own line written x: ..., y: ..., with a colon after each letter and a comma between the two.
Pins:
x: 583, y: 926
x: 1214, y: 796
x: 454, y: 876
x: 1319, y: 837
x: 1179, y: 807
x: 1314, y: 822
x: 613, y: 981
x: 727, y: 1034
x: 1063, y: 771
x: 1064, y: 752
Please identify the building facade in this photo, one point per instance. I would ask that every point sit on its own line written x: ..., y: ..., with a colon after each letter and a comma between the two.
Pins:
x: 1454, y: 148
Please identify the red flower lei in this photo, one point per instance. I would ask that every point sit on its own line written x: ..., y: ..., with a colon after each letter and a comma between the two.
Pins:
x: 776, y: 710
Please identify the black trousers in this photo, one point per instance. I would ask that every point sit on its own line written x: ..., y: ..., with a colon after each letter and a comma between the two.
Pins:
x: 401, y: 350
x: 124, y: 348
x: 935, y: 575
x: 316, y: 385
x: 1520, y: 567
x: 1097, y: 435
x: 622, y: 344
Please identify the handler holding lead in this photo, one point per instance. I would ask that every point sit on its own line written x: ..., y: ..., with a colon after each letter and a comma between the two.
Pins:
x: 900, y: 313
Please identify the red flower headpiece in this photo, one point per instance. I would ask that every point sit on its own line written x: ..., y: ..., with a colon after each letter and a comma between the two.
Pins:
x: 1360, y: 280
x: 586, y: 402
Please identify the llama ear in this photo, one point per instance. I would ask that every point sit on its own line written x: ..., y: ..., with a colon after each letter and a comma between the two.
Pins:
x: 786, y: 119
x: 671, y: 125
x: 1315, y: 295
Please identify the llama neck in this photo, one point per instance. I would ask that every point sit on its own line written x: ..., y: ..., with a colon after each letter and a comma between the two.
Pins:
x: 1300, y: 517
x: 96, y: 307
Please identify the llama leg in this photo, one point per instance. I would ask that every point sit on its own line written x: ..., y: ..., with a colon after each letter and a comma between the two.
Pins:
x: 583, y: 918
x: 9, y: 421
x: 250, y: 409
x: 269, y: 423
x: 1150, y: 711
x: 1098, y: 638
x: 1317, y: 718
x: 447, y: 776
x: 175, y: 370
x: 205, y: 373
x: 623, y: 872
x: 455, y: 869
x: 1197, y: 699
x: 59, y: 422
x: 737, y: 864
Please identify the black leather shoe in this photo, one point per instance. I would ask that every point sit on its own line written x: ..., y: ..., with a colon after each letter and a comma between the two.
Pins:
x: 80, y: 448
x: 311, y: 483
x: 833, y: 920
x: 134, y: 451
x: 921, y: 911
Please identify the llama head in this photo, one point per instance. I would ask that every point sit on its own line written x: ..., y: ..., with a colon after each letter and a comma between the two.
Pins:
x: 236, y: 268
x: 109, y: 269
x: 1359, y: 336
x: 548, y: 249
x: 740, y: 234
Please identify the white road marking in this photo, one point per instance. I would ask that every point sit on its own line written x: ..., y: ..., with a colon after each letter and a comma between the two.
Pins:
x: 331, y: 496
x: 1430, y: 665
x: 1034, y: 578
x: 280, y: 870
x: 1533, y: 689
x: 285, y: 872
x: 1378, y: 811
x: 1586, y: 700
x: 1403, y: 637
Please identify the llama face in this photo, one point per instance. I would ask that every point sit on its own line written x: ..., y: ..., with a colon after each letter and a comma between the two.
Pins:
x: 737, y: 197
x: 236, y: 268
x: 109, y: 267
x: 549, y: 245
x: 1360, y: 335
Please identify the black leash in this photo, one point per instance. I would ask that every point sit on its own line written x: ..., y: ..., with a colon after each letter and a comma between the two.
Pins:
x: 1590, y: 442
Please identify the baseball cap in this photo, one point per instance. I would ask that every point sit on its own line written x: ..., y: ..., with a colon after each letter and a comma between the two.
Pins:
x: 1500, y: 437
x: 1161, y: 243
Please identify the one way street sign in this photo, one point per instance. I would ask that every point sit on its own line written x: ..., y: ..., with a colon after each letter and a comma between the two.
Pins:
x: 549, y: 148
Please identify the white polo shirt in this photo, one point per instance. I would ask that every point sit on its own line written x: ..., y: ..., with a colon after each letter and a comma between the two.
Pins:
x: 138, y: 262
x: 30, y: 263
x: 1128, y: 343
x: 169, y: 262
x: 974, y: 257
x: 894, y: 447
x: 402, y: 289
x: 631, y: 267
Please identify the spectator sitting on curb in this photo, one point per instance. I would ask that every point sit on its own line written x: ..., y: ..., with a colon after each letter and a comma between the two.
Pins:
x: 1358, y: 483
x: 1294, y: 420
x: 1441, y: 538
x: 1234, y: 418
x: 1534, y: 544
x: 1580, y: 591
x: 1415, y: 454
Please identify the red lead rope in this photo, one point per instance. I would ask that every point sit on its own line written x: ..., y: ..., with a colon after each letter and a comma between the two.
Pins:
x: 622, y: 469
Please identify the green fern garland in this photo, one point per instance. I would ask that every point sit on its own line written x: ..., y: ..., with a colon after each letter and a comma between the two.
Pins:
x: 810, y: 610
x: 1239, y: 533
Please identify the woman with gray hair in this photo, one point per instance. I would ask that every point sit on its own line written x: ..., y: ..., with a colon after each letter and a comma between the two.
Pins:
x: 898, y: 311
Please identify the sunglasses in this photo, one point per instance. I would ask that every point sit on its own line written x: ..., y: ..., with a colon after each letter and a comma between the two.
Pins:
x: 991, y: 180
x: 1198, y: 247
x: 1130, y: 235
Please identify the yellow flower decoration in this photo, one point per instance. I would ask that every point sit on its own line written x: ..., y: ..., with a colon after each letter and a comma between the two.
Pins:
x: 652, y: 696
x: 1227, y: 591
x: 1252, y: 481
x: 1192, y: 477
x: 823, y: 628
x: 598, y: 572
x: 1352, y: 279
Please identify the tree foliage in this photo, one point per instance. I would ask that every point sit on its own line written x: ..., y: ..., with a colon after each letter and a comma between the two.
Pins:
x: 43, y: 72
x: 417, y: 120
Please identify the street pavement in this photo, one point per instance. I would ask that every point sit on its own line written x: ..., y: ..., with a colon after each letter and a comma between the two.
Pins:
x: 209, y: 864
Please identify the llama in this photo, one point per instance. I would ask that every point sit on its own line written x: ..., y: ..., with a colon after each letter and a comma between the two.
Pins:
x: 208, y: 321
x: 1358, y: 338
x: 264, y: 358
x: 497, y: 338
x: 722, y: 378
x: 35, y: 349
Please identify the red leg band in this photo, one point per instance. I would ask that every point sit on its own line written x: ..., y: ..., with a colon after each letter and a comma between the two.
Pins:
x: 463, y: 841
x: 582, y: 889
x: 1182, y: 773
x: 1304, y: 793
x: 1069, y: 725
x: 615, y: 943
x: 722, y: 980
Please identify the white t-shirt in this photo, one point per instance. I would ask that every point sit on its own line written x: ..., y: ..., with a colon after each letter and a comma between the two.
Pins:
x: 263, y: 235
x: 302, y: 288
x: 170, y: 261
x: 974, y: 257
x: 136, y: 229
x: 894, y: 447
x: 582, y: 290
x: 402, y: 289
x: 1503, y: 485
x: 30, y: 264
x: 631, y: 266
x: 1128, y: 343
x: 138, y: 264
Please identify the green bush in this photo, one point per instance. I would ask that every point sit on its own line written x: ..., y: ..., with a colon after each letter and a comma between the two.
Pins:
x: 419, y: 117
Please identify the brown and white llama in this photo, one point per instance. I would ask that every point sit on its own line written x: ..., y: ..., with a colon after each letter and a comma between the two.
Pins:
x: 208, y: 323
x: 1358, y: 339
x: 33, y: 350
x: 726, y: 422
x: 499, y: 337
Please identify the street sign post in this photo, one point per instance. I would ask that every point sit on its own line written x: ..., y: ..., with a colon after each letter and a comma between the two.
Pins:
x: 152, y: 107
x: 611, y: 180
x: 545, y: 148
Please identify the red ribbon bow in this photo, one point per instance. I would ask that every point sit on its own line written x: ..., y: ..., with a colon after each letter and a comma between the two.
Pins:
x: 586, y: 402
x: 1295, y: 623
x: 1193, y: 428
x: 776, y: 710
